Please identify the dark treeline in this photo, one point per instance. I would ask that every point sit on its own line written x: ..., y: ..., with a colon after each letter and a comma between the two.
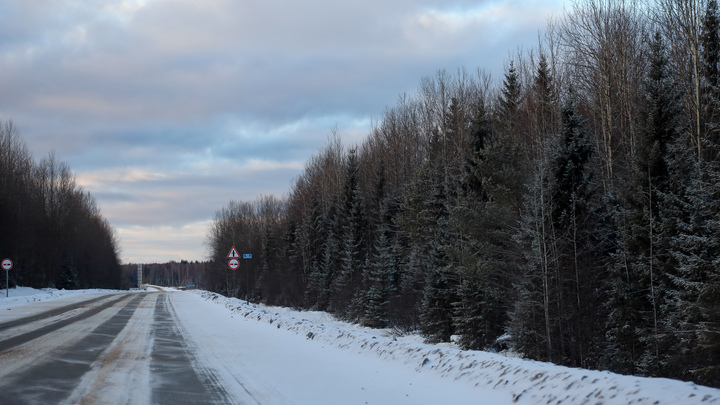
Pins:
x: 50, y: 227
x: 171, y: 274
x: 569, y: 211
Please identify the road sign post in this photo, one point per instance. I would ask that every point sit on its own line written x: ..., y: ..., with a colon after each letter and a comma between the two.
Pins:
x: 233, y: 264
x: 7, y: 264
x: 247, y: 279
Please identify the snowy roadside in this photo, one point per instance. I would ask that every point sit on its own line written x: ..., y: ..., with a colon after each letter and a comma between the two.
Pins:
x: 524, y: 381
x: 24, y: 295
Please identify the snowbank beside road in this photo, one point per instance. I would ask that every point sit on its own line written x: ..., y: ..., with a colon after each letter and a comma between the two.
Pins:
x: 24, y: 295
x: 523, y: 381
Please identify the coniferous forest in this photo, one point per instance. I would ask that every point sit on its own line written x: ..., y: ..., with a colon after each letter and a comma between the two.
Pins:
x: 50, y: 227
x: 568, y: 210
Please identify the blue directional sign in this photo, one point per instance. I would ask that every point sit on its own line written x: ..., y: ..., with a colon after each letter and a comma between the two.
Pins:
x: 247, y: 256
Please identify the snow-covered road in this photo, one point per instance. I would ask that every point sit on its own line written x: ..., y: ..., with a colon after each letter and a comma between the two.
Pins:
x: 115, y: 348
x: 197, y: 347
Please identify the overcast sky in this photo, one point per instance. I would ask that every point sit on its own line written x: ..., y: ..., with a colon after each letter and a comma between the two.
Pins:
x: 168, y: 109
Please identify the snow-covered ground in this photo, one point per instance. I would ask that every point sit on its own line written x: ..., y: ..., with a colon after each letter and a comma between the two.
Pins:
x: 276, y: 355
x: 22, y: 295
x: 488, y: 375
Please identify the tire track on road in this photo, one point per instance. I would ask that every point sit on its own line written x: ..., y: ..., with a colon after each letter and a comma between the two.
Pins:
x: 49, y: 314
x: 121, y: 375
x: 55, y: 380
x: 26, y: 337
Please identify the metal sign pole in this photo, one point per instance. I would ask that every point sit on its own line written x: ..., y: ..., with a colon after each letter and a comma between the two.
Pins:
x: 247, y: 277
x: 233, y: 264
x: 6, y: 265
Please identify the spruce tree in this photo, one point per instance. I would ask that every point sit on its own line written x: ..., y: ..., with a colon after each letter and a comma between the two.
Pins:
x: 575, y: 218
x: 509, y: 101
x: 533, y: 319
x: 710, y: 90
x: 640, y: 285
x: 439, y: 298
x: 686, y: 236
x: 543, y: 106
x: 329, y: 263
x: 439, y: 292
x: 381, y: 276
x: 480, y: 312
x: 304, y: 249
x: 553, y: 317
x: 353, y: 253
x: 266, y: 284
x: 416, y: 217
x: 710, y: 42
x: 699, y: 303
x: 486, y: 218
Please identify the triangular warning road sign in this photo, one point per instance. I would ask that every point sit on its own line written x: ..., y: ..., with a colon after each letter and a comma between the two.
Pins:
x: 233, y: 253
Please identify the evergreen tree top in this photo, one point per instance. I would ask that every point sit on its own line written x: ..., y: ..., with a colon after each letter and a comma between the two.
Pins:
x: 510, y: 95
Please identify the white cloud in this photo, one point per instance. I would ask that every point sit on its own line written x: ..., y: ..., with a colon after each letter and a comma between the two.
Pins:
x: 125, y: 10
x: 167, y: 109
x: 98, y: 178
x: 254, y: 165
x: 172, y: 243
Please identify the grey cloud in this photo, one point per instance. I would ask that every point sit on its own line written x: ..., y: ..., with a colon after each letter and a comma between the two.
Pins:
x: 150, y: 100
x: 253, y: 57
x: 184, y: 198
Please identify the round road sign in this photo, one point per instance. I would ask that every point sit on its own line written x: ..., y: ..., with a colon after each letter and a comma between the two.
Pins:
x: 233, y: 264
x: 7, y: 264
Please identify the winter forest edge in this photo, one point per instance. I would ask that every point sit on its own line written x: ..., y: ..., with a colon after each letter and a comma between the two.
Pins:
x: 569, y: 212
x: 52, y: 228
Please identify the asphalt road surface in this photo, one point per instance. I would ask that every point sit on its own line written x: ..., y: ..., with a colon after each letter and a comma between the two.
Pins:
x: 112, y: 348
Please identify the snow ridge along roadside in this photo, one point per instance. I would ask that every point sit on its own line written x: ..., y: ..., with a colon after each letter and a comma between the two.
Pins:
x: 525, y: 381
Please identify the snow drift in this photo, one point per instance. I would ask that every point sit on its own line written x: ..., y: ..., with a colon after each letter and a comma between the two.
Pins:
x: 524, y: 381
